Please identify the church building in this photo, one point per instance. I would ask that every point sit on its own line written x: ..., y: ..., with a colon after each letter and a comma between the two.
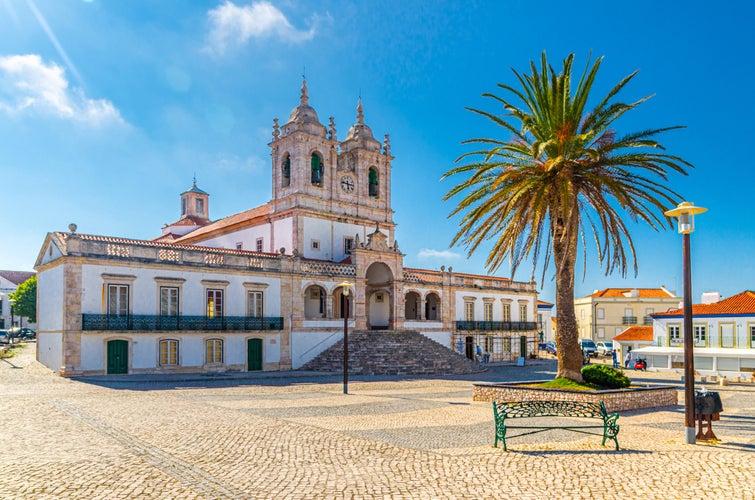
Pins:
x: 268, y: 288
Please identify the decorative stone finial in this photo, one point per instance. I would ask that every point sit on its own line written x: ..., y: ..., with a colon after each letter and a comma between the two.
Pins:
x: 282, y: 251
x: 442, y: 268
x: 332, y: 129
x: 360, y: 113
x: 304, y: 93
x: 72, y: 227
x: 387, y: 145
x: 450, y: 269
x: 276, y: 129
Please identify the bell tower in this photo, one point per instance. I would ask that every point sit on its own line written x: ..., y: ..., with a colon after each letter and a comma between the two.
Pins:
x: 362, y: 163
x: 304, y: 156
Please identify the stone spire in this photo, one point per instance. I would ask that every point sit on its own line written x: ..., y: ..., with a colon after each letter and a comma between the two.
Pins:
x: 304, y: 100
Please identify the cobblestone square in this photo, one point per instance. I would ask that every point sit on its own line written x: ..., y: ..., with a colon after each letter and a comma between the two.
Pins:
x: 295, y: 435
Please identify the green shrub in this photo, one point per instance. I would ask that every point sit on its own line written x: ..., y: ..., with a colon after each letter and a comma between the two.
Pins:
x: 605, y: 376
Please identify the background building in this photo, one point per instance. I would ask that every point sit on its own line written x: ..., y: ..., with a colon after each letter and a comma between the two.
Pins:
x: 724, y: 336
x: 9, y: 281
x: 606, y: 313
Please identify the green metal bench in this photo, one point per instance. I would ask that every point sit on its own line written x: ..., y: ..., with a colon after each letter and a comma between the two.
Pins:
x: 529, y: 409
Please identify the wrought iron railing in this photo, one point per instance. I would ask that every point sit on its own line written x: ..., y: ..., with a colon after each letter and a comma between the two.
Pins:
x: 496, y: 326
x: 629, y: 320
x: 151, y: 323
x: 647, y: 320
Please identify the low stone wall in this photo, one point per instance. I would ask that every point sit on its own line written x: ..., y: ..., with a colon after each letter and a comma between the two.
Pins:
x: 633, y: 398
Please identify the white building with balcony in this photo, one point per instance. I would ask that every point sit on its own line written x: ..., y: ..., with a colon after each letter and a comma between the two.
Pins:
x: 263, y: 289
x: 724, y: 337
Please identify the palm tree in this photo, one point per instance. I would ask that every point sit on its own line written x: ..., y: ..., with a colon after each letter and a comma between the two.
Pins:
x: 562, y: 174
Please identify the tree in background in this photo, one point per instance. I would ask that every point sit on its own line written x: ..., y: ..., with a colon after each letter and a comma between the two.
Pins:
x: 562, y: 174
x: 26, y: 299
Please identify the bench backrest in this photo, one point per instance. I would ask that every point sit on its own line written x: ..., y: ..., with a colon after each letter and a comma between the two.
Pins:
x: 523, y: 409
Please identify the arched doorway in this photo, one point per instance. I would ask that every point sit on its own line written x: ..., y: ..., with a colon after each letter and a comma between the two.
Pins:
x: 432, y: 307
x: 379, y: 299
x: 411, y: 306
x: 314, y: 302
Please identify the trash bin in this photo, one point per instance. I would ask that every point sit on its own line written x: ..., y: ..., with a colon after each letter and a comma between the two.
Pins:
x: 708, y: 408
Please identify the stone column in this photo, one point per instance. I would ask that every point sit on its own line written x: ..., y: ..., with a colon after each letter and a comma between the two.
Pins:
x: 72, y: 321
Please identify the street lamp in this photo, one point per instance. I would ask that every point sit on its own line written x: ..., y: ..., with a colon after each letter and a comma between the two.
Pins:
x: 685, y: 214
x: 345, y: 310
x: 12, y: 303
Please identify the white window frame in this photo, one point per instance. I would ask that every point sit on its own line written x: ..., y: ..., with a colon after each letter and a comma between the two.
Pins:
x: 674, y: 333
x: 255, y: 304
x: 469, y: 310
x: 487, y: 310
x: 700, y: 331
x: 259, y: 244
x: 168, y: 352
x: 213, y: 351
x: 506, y: 316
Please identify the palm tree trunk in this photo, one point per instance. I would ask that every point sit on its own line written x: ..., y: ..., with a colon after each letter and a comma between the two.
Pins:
x: 567, y: 335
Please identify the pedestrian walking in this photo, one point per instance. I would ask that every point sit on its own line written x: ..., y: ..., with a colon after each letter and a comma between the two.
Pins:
x: 628, y: 358
x: 615, y: 358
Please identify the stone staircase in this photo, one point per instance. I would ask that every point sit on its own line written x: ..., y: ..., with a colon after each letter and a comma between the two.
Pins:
x: 392, y: 353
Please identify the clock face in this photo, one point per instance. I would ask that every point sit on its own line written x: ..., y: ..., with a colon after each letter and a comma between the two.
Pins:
x: 347, y: 183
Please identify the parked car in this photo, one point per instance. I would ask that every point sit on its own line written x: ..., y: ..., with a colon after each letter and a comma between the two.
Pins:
x: 550, y: 347
x: 27, y: 333
x: 4, y: 336
x: 605, y: 348
x: 588, y: 347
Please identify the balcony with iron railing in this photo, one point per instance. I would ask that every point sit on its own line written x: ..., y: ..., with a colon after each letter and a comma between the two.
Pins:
x: 153, y: 323
x: 496, y: 326
x: 647, y: 320
x: 629, y: 320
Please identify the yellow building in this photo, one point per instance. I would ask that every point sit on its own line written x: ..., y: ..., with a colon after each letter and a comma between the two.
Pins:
x: 608, y: 312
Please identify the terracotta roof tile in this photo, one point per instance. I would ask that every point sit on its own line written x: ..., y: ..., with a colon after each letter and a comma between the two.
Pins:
x: 642, y: 293
x: 543, y: 303
x: 16, y: 277
x: 742, y: 303
x: 245, y: 218
x: 635, y: 333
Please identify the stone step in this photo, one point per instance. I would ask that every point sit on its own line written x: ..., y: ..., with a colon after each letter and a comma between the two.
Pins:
x: 387, y: 352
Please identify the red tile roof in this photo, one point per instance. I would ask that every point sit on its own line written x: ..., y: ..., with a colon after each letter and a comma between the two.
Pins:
x: 190, y: 220
x: 235, y: 221
x: 543, y: 303
x: 643, y: 293
x: 635, y: 333
x: 16, y: 277
x: 742, y: 303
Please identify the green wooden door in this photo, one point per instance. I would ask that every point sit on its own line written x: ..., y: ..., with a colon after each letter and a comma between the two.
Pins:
x: 117, y: 357
x: 254, y: 354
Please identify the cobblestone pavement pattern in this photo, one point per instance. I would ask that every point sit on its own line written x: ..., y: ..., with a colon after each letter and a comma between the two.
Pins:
x: 297, y: 436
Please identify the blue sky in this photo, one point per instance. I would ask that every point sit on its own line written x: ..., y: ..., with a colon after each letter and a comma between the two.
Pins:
x: 109, y: 108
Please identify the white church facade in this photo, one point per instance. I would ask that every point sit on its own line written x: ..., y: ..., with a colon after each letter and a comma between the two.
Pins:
x: 264, y: 289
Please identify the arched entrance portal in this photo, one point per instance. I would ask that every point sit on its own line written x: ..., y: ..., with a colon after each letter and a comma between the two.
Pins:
x: 379, y: 297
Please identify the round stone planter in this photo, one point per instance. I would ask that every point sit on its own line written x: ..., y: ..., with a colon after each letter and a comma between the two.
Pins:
x: 636, y: 397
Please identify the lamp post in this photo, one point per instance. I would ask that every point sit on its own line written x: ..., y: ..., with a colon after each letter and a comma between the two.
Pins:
x: 12, y: 303
x: 345, y: 310
x: 685, y: 213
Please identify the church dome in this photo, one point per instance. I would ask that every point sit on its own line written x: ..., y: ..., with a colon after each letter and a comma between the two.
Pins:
x: 361, y: 133
x: 304, y: 116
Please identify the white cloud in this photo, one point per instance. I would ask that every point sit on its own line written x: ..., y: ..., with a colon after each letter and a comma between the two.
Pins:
x: 235, y: 25
x: 28, y: 85
x: 429, y: 253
